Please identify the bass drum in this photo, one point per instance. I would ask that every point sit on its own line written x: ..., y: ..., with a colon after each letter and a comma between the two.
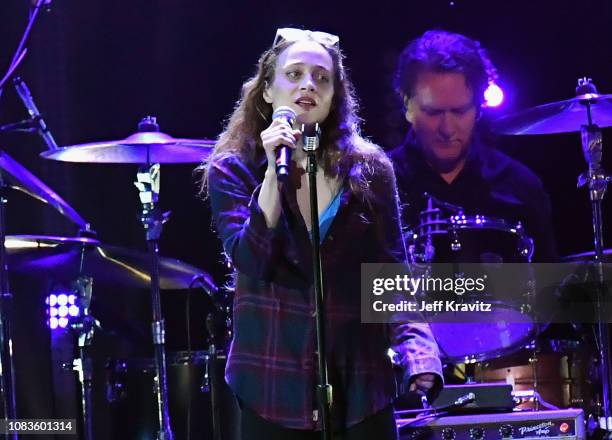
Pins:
x: 465, y: 337
x: 131, y: 395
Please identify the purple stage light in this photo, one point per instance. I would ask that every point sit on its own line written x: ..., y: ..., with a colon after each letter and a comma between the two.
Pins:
x: 61, y: 307
x: 494, y: 95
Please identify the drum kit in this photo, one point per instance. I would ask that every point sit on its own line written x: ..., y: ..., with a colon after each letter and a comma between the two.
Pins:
x: 83, y: 259
x: 509, y: 346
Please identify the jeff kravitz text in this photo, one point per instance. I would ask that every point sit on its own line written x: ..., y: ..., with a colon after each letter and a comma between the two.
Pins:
x: 433, y: 307
x: 418, y: 289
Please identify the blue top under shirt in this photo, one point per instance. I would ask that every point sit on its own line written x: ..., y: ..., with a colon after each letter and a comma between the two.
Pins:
x: 326, y: 219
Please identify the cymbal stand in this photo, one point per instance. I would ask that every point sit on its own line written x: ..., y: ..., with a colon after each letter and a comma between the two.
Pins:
x: 597, y: 181
x: 85, y: 326
x: 152, y: 219
x: 7, y: 375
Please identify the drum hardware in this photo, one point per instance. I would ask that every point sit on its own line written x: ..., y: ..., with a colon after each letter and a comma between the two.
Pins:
x: 7, y: 368
x: 21, y: 51
x: 152, y: 219
x: 84, y: 327
x: 586, y: 113
x: 218, y: 326
x: 115, y: 380
x: 430, y: 218
x: 130, y: 392
x: 561, y: 117
x: 533, y: 363
x: 7, y: 377
x: 61, y: 258
x: 16, y: 177
x: 212, y: 374
x: 149, y: 148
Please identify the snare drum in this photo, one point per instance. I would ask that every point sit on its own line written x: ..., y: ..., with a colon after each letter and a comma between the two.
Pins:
x: 490, y: 241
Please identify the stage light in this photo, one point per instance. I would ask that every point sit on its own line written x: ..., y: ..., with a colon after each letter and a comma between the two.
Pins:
x: 62, y: 306
x: 494, y: 95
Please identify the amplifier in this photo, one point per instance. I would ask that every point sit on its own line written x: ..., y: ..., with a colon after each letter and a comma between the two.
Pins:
x: 566, y: 424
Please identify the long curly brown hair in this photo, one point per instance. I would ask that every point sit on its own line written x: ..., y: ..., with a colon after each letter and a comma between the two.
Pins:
x: 344, y: 154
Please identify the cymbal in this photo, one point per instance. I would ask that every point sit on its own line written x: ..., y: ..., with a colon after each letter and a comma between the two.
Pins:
x: 60, y: 258
x: 558, y: 117
x: 19, y: 178
x: 587, y: 256
x: 139, y: 148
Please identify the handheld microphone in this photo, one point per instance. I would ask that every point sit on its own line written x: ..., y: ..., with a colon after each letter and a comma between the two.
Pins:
x: 37, y: 120
x: 283, y: 153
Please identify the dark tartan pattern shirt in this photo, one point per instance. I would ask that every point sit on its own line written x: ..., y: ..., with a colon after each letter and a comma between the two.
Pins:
x: 271, y: 362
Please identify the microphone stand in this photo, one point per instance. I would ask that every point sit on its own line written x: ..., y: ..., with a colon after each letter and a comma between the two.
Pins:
x: 597, y: 182
x: 35, y: 117
x: 310, y: 142
x: 7, y: 375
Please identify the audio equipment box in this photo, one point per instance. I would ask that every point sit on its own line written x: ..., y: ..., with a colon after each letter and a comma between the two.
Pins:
x: 566, y: 424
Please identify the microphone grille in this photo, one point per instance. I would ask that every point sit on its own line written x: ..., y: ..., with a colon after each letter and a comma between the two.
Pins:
x: 284, y: 112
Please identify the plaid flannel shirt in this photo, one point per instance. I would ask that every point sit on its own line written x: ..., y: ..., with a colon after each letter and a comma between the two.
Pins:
x: 271, y: 362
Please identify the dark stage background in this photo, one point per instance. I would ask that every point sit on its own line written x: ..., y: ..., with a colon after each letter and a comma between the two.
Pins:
x: 96, y: 67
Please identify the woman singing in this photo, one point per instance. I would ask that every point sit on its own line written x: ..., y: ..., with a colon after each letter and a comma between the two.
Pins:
x: 265, y: 227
